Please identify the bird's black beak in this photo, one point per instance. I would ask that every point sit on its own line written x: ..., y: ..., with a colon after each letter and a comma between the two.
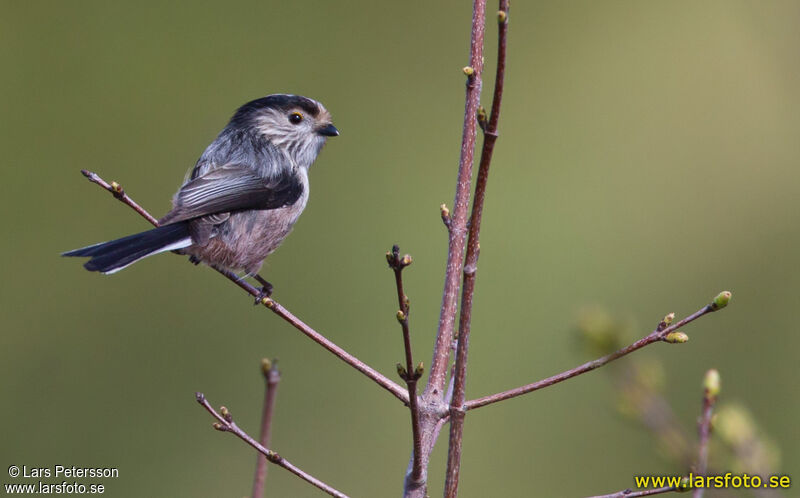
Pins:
x: 328, y: 131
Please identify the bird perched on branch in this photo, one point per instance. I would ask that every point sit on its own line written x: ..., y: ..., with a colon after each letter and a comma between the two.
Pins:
x: 242, y: 197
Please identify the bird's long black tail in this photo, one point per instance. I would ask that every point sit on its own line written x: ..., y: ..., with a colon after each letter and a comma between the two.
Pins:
x: 110, y: 257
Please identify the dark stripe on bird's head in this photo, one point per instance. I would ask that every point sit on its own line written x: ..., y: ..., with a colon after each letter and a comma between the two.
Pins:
x: 280, y: 102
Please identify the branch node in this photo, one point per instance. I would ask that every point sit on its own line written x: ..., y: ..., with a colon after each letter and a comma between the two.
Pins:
x: 445, y: 215
x: 483, y: 118
x: 666, y: 321
x: 401, y: 371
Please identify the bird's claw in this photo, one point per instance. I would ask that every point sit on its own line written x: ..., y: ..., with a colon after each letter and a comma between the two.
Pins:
x: 264, y: 291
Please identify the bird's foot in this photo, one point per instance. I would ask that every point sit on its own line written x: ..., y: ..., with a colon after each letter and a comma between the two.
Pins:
x: 265, y: 290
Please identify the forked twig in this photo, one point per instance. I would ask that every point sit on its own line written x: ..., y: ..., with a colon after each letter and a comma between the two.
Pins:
x: 660, y: 334
x: 489, y: 127
x: 225, y: 423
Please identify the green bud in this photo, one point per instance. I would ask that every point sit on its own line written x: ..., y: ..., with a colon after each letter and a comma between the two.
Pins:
x: 401, y: 371
x: 501, y: 16
x: 711, y: 383
x: 469, y: 70
x: 676, y: 338
x: 669, y: 318
x: 401, y: 317
x: 266, y: 366
x: 722, y: 300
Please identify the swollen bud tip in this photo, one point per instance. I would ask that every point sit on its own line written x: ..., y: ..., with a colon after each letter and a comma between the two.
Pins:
x: 685, y: 485
x: 401, y: 317
x: 266, y: 366
x: 711, y: 383
x: 501, y: 16
x: 469, y: 70
x: 722, y: 300
x: 401, y: 371
x: 218, y: 426
x: 676, y: 338
x: 669, y: 318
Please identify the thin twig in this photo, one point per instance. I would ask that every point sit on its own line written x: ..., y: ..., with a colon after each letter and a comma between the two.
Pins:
x: 410, y: 374
x: 118, y: 192
x: 457, y: 228
x: 457, y: 412
x: 272, y: 376
x: 629, y: 493
x: 225, y: 423
x: 710, y: 392
x: 657, y: 335
x: 273, y: 305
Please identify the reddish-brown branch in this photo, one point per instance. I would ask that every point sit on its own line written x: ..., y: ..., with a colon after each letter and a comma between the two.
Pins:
x: 457, y: 229
x: 273, y: 305
x: 629, y: 493
x: 225, y: 423
x: 409, y: 374
x: 657, y: 335
x: 704, y: 425
x: 117, y: 191
x: 272, y: 376
x: 457, y: 412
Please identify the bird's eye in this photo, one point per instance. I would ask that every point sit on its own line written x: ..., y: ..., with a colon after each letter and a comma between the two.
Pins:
x: 295, y: 118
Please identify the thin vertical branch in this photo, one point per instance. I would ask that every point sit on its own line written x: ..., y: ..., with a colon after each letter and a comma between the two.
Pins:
x: 711, y: 390
x: 457, y: 411
x: 272, y: 376
x: 457, y: 228
x: 409, y: 373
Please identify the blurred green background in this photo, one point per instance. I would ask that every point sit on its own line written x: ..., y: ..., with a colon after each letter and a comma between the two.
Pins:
x: 648, y: 159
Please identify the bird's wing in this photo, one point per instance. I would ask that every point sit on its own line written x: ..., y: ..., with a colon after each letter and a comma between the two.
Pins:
x: 232, y: 187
